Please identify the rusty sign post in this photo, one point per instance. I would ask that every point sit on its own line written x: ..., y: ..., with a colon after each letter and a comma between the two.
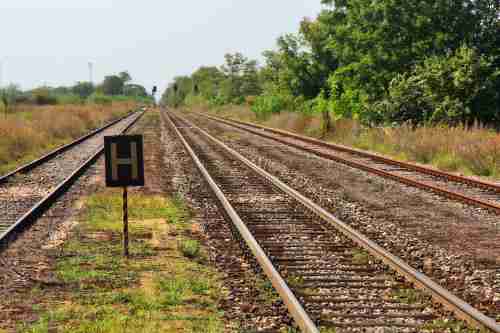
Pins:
x: 124, y: 167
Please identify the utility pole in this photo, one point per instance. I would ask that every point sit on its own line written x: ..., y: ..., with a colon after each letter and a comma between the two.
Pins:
x: 1, y: 73
x: 91, y: 74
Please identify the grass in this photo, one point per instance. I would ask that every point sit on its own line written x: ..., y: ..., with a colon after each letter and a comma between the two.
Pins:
x: 470, y: 151
x: 106, y: 210
x: 28, y: 132
x: 157, y: 290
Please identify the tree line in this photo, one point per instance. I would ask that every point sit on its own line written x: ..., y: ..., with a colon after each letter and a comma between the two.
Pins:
x: 113, y: 87
x: 384, y: 61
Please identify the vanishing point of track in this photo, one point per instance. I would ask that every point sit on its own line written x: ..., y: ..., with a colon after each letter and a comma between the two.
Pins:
x: 468, y: 190
x: 27, y: 192
x: 325, y: 272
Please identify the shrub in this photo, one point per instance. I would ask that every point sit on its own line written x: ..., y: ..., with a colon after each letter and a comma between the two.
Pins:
x: 266, y: 105
x: 453, y: 89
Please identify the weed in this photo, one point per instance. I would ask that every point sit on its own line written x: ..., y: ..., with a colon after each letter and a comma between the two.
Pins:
x: 445, y: 325
x: 173, y: 291
x: 151, y: 292
x: 360, y: 257
x: 267, y: 289
x: 295, y: 282
x: 407, y: 296
x: 189, y: 248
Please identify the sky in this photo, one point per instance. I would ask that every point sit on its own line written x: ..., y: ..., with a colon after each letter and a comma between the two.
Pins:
x: 51, y: 42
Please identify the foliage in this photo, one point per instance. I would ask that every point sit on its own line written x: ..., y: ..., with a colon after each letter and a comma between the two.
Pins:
x: 453, y: 89
x: 112, y: 85
x: 83, y: 89
x: 135, y: 90
x: 237, y: 79
x: 265, y: 105
x: 376, y: 61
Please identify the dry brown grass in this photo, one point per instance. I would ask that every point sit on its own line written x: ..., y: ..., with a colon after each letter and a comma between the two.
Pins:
x: 470, y: 151
x: 31, y: 131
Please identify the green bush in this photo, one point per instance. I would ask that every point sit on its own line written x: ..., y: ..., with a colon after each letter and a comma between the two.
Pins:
x: 217, y: 100
x: 266, y: 105
x: 458, y: 88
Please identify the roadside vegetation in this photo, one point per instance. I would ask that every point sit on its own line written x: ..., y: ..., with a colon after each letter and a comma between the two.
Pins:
x: 473, y: 151
x: 431, y: 94
x: 37, y: 121
x: 32, y: 131
x: 160, y: 288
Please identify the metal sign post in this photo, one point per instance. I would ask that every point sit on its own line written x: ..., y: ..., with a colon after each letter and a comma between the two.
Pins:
x: 124, y: 167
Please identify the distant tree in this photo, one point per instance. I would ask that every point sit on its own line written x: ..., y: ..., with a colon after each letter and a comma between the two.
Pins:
x: 112, y: 85
x: 125, y: 76
x: 208, y: 80
x: 134, y: 90
x: 83, y: 89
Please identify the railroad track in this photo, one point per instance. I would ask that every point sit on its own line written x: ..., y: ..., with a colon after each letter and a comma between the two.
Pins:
x: 28, y: 191
x: 464, y: 189
x: 326, y: 272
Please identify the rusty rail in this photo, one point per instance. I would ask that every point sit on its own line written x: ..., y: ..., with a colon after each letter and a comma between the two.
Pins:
x: 28, y: 219
x: 260, y: 130
x: 294, y: 307
x: 451, y: 302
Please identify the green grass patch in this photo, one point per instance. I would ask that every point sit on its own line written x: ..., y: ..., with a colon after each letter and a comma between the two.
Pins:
x: 152, y: 291
x: 104, y: 211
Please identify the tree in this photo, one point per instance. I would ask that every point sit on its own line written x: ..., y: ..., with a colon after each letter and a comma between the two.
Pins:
x: 135, y: 90
x: 125, y: 77
x: 208, y: 80
x: 112, y: 85
x: 83, y: 89
x: 376, y: 40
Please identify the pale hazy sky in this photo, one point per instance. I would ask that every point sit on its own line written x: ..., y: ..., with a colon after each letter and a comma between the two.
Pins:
x: 52, y: 41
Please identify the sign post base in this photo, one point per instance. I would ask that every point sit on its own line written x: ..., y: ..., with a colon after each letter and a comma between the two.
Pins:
x: 125, y: 222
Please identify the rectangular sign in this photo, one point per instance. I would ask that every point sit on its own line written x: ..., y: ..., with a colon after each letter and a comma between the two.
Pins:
x: 124, y: 160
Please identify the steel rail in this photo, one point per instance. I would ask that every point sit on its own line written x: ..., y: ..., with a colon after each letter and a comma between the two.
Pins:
x: 494, y: 207
x: 33, y: 164
x: 294, y: 307
x: 451, y: 302
x: 30, y: 217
